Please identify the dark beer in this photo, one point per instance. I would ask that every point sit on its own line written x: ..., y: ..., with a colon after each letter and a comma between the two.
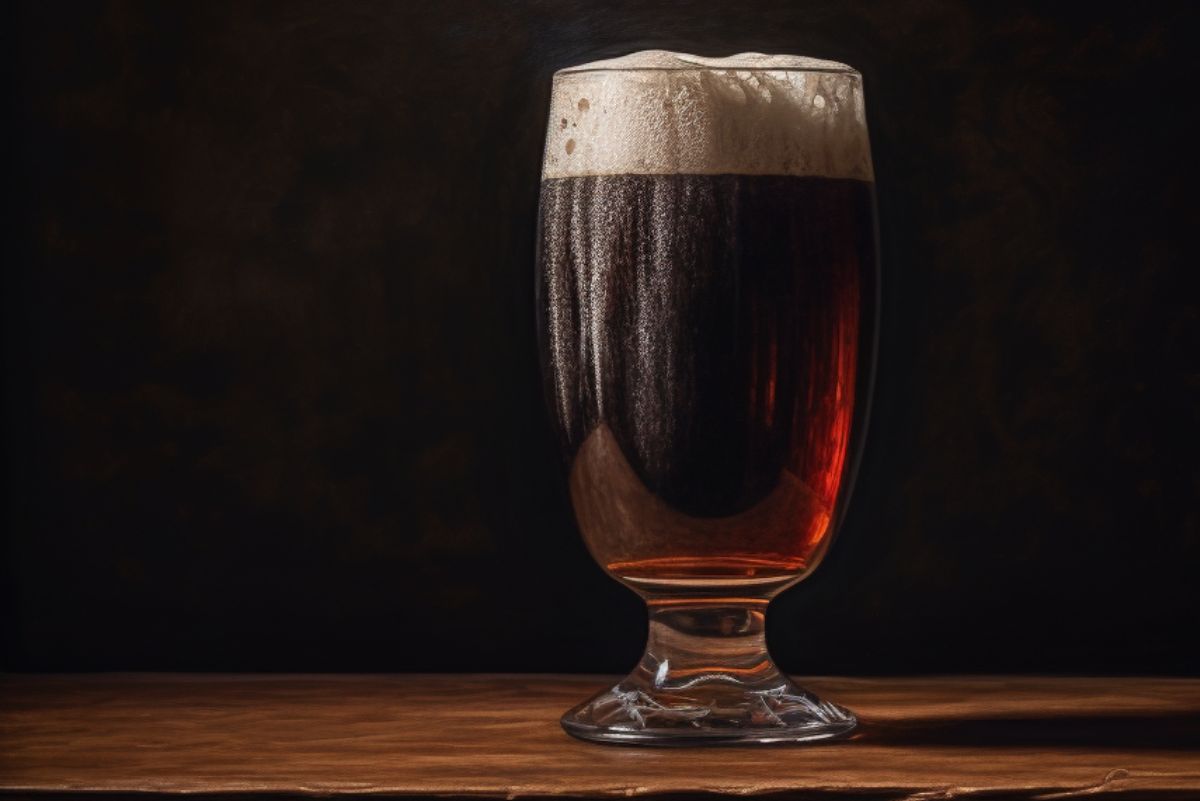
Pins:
x: 706, y: 342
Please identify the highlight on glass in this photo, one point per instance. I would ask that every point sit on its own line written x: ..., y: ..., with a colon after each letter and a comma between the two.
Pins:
x: 706, y: 278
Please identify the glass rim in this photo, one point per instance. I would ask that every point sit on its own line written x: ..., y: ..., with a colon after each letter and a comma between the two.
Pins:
x: 843, y: 70
x: 658, y: 60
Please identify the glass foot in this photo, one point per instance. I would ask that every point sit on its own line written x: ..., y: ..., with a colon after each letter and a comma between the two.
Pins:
x: 706, y: 677
x: 635, y: 713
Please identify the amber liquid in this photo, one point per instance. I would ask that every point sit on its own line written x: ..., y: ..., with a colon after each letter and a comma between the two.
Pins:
x: 705, y: 344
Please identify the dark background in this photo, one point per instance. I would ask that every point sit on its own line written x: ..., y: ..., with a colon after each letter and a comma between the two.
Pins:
x: 271, y: 388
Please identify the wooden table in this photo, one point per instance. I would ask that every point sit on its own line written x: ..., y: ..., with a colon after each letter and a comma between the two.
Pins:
x: 296, y: 736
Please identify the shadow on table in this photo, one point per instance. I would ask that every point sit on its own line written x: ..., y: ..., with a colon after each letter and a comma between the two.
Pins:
x: 1160, y: 731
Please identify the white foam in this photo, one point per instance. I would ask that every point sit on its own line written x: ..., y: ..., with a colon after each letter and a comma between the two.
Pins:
x: 660, y: 113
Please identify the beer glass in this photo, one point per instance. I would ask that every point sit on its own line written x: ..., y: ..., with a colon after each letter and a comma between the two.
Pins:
x: 706, y: 303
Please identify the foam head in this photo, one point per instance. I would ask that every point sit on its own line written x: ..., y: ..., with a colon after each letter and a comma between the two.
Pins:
x: 657, y: 112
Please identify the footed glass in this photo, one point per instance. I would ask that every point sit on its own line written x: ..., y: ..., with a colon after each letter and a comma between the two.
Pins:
x: 706, y: 306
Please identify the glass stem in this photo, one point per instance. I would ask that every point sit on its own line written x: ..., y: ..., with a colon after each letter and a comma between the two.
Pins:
x: 698, y: 643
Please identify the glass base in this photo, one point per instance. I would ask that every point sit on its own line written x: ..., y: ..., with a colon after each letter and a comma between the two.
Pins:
x: 707, y: 716
x: 713, y: 715
x: 706, y: 677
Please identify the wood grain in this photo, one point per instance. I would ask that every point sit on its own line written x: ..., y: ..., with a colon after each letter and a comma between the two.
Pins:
x: 499, y: 736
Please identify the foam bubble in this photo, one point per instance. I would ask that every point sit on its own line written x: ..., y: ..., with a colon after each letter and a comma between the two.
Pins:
x: 657, y: 112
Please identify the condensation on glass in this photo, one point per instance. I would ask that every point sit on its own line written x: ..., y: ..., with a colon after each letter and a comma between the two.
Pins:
x: 706, y: 298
